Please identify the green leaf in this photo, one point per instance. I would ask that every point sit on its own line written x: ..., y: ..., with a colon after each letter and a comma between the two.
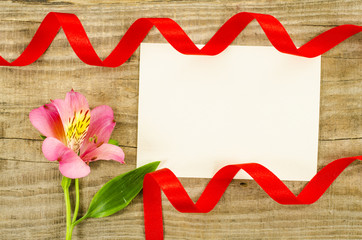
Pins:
x: 118, y: 192
x: 43, y: 137
x: 114, y: 142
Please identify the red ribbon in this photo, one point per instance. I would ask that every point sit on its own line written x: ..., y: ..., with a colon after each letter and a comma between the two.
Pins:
x: 174, y: 34
x: 166, y: 181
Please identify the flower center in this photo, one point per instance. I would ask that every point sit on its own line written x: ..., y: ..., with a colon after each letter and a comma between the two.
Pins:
x: 76, y: 129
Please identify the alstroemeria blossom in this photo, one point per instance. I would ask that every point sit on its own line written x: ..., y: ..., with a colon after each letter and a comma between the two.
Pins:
x: 76, y: 135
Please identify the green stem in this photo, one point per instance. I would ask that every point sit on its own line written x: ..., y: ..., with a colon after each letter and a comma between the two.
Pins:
x: 71, y: 223
x: 79, y: 220
x: 76, y: 182
x: 65, y: 185
x: 69, y: 232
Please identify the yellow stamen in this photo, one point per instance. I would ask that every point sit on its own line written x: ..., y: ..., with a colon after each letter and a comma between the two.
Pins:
x: 76, y: 129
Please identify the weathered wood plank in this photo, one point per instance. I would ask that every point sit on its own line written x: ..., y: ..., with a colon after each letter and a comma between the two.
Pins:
x: 31, y: 199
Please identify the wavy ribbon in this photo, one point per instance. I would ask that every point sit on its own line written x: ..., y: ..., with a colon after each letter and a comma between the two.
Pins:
x: 166, y: 181
x: 174, y: 34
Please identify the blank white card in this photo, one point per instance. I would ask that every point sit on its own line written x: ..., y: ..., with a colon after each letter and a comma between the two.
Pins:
x: 247, y: 104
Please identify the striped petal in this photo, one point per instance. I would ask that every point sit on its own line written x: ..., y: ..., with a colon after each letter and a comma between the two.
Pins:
x: 75, y: 115
x: 74, y: 103
x: 100, y: 128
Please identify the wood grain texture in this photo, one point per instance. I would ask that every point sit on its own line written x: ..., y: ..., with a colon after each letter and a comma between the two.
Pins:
x: 31, y: 199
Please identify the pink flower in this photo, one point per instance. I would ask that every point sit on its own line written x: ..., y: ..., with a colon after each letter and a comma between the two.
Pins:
x: 76, y: 135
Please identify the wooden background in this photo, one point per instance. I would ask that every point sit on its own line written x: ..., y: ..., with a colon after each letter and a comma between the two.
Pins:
x: 31, y: 198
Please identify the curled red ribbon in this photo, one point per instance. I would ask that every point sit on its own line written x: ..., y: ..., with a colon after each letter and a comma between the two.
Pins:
x: 174, y: 34
x: 166, y: 181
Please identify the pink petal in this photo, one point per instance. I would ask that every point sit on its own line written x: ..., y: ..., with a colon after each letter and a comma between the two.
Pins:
x: 105, y: 152
x: 74, y: 103
x: 70, y: 164
x: 64, y: 112
x: 47, y: 120
x: 100, y: 128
